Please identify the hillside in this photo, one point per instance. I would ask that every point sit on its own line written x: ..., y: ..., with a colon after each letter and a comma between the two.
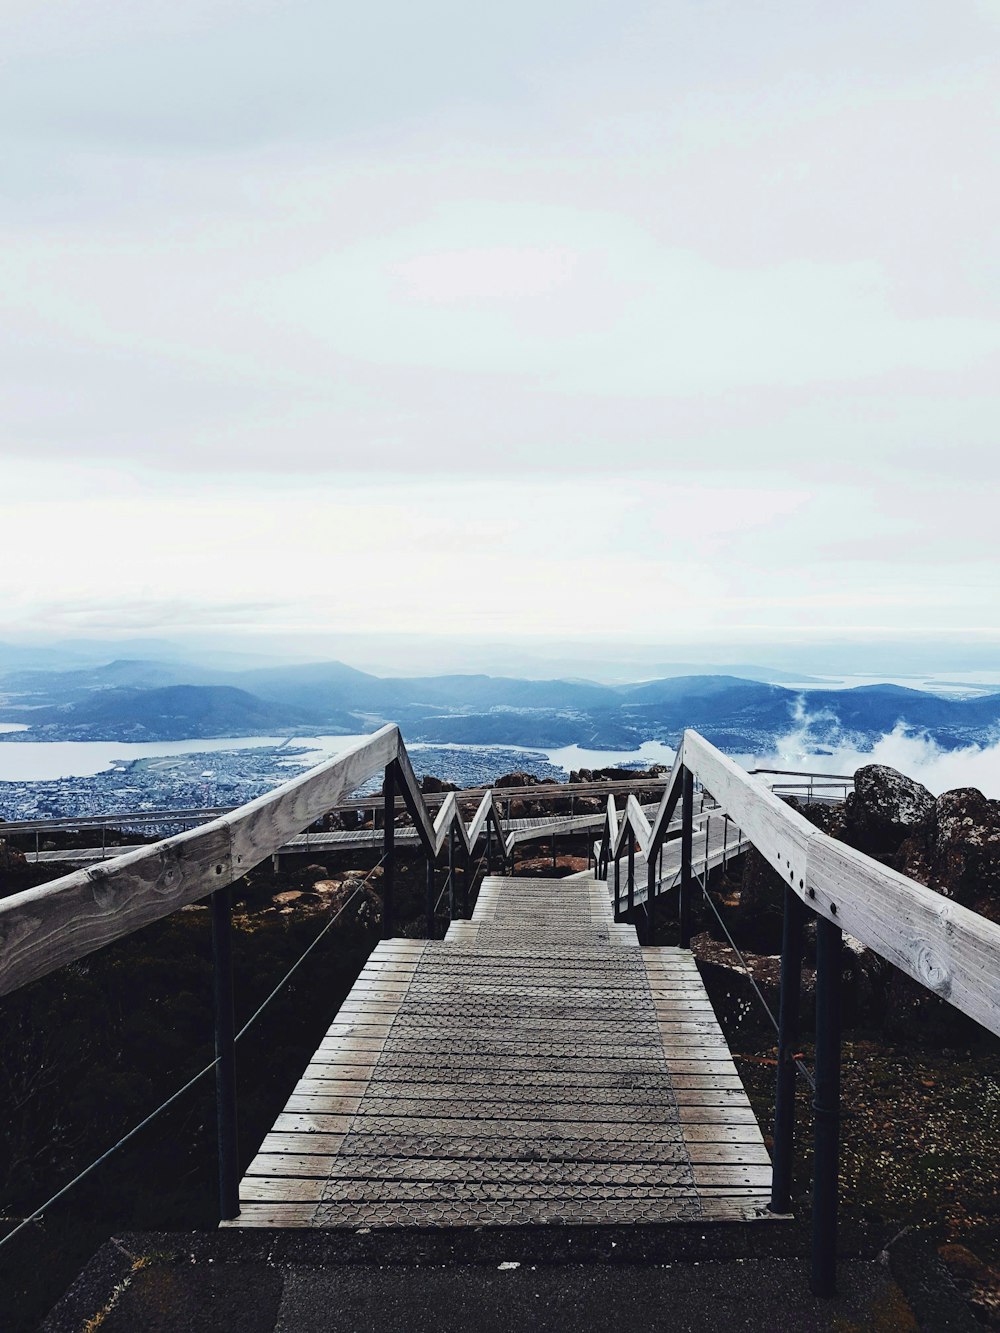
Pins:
x: 175, y: 712
x: 151, y: 700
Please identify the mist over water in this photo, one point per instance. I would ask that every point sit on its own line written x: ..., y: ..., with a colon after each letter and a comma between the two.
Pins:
x: 911, y: 752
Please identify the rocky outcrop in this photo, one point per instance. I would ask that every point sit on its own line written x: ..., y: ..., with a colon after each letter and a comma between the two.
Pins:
x: 432, y: 786
x: 884, y: 809
x: 517, y: 780
x: 618, y: 774
x: 11, y: 858
x: 756, y: 921
x: 957, y: 851
x: 951, y: 844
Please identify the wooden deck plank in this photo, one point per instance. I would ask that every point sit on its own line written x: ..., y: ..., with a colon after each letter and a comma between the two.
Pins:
x: 535, y: 1066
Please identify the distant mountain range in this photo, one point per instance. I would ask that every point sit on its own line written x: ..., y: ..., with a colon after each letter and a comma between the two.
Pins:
x: 155, y: 700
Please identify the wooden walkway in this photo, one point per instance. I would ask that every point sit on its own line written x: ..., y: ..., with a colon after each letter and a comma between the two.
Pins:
x: 536, y: 1066
x: 315, y: 844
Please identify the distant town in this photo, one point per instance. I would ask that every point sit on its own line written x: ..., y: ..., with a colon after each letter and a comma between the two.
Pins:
x: 230, y: 778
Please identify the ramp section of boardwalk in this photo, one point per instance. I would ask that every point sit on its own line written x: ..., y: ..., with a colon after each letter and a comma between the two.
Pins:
x: 536, y: 1066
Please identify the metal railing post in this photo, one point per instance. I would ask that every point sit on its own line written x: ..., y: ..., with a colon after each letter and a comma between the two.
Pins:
x: 631, y: 871
x: 553, y: 851
x: 466, y: 883
x: 618, y: 888
x: 451, y: 873
x: 826, y: 1108
x: 651, y: 900
x: 788, y: 1036
x: 430, y: 896
x: 388, y: 850
x: 708, y: 826
x: 687, y: 838
x: 489, y: 846
x: 225, y: 1055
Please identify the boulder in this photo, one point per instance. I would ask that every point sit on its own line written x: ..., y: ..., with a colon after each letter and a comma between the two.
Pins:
x: 287, y: 897
x: 11, y: 858
x: 588, y: 805
x: 885, y: 808
x: 757, y: 921
x: 517, y: 780
x: 958, y: 852
x: 432, y: 786
x: 830, y: 818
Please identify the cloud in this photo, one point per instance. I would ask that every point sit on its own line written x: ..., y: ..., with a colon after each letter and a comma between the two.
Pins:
x: 910, y: 752
x: 726, y: 261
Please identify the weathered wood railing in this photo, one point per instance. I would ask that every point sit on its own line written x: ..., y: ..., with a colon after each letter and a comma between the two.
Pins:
x: 45, y: 928
x: 953, y: 952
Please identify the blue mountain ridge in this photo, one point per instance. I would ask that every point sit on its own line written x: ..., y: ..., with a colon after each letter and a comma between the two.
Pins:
x: 161, y: 700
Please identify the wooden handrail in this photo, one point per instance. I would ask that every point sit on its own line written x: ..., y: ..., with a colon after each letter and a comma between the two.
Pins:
x: 57, y: 923
x: 952, y: 951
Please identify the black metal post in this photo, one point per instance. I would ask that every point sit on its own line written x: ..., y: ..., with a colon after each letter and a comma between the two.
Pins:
x: 466, y: 883
x: 788, y: 1036
x: 826, y: 1108
x: 631, y: 871
x: 708, y: 825
x: 451, y: 873
x: 430, y: 896
x: 651, y: 900
x: 687, y: 838
x: 388, y: 850
x: 225, y: 1055
x: 489, y: 846
x: 618, y: 888
x: 553, y: 851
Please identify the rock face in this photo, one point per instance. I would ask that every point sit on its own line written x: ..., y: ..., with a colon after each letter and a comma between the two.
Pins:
x: 952, y: 845
x: 957, y: 851
x: 10, y: 857
x: 758, y: 919
x: 884, y: 809
x: 517, y: 780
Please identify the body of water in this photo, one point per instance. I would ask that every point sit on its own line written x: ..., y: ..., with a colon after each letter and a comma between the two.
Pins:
x: 40, y: 761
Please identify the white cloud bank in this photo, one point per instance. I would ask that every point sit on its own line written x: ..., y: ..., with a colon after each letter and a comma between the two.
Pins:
x: 910, y: 752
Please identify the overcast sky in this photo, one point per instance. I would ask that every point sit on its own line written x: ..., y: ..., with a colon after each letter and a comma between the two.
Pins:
x: 665, y: 320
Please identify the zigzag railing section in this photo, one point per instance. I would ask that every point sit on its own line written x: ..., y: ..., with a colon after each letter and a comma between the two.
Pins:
x: 45, y: 928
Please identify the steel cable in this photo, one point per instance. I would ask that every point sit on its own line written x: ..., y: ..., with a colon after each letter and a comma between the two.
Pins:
x: 175, y: 1096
